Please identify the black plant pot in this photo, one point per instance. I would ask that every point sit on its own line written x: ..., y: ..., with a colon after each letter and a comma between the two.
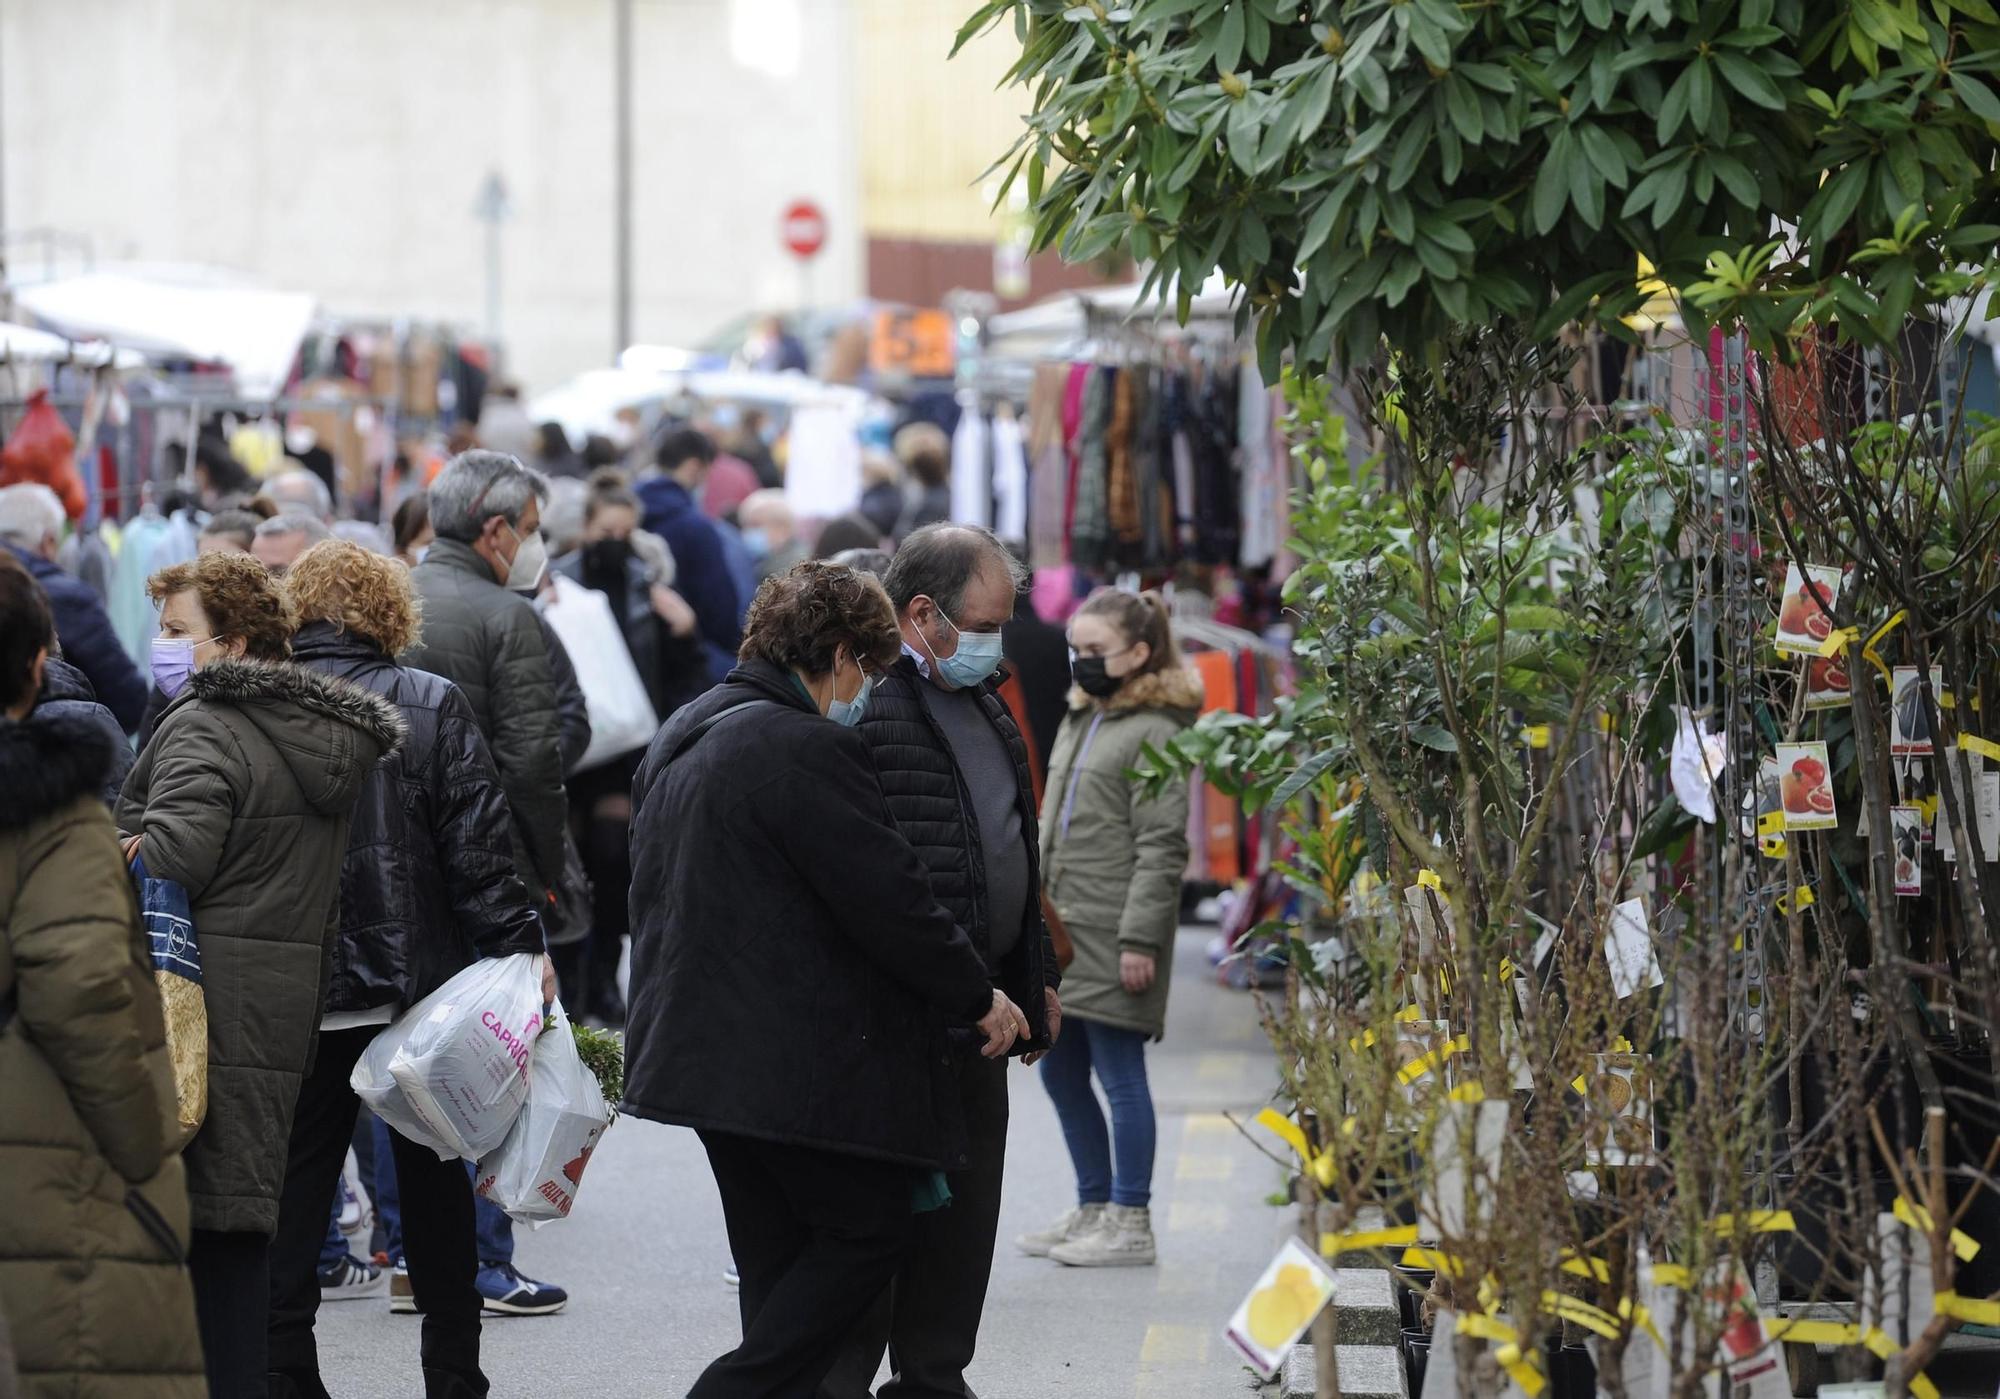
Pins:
x: 1416, y: 1357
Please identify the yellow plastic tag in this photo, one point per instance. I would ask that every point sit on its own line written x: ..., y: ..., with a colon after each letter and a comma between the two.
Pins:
x: 1985, y: 748
x: 1812, y: 1333
x: 1332, y: 1245
x: 1770, y: 823
x: 1755, y: 1222
x: 1467, y: 1093
x: 1839, y: 638
x: 1919, y: 1218
x: 1968, y: 1309
x: 1868, y: 651
x: 1537, y: 735
x: 1428, y: 879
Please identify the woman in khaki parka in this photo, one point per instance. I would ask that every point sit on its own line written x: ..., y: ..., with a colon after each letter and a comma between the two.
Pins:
x: 95, y: 1206
x: 1112, y: 862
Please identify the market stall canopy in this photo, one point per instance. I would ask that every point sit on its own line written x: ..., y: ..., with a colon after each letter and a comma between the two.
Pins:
x: 181, y: 312
x: 1050, y: 328
x: 22, y: 344
x: 590, y: 403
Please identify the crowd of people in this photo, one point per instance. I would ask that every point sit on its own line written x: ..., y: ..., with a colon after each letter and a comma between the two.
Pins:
x: 875, y: 839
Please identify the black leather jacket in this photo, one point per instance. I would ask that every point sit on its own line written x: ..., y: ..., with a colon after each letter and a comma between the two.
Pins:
x: 428, y: 882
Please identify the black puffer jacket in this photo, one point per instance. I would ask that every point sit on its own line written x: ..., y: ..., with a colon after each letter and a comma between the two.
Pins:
x: 789, y: 964
x: 428, y: 882
x: 65, y: 691
x: 928, y: 798
x: 487, y: 641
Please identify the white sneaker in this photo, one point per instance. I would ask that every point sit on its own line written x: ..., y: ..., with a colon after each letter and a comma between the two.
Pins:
x: 1122, y: 1239
x: 1074, y: 1225
x: 351, y: 1278
x: 357, y: 1211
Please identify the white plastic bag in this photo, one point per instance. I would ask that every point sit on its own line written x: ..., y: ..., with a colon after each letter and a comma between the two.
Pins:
x: 452, y: 1073
x: 535, y: 1174
x: 621, y: 716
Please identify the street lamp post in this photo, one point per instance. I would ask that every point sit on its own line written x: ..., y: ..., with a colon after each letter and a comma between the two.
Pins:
x: 491, y: 207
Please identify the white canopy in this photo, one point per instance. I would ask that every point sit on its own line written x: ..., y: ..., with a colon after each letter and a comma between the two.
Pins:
x: 590, y: 402
x: 21, y: 344
x: 198, y: 313
x: 1064, y: 320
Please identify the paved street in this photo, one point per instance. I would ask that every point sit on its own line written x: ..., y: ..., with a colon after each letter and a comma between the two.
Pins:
x: 644, y: 1253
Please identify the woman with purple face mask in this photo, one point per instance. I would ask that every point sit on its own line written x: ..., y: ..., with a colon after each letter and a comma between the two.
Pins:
x: 243, y: 798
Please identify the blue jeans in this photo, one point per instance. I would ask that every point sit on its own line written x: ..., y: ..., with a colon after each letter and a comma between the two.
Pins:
x: 1119, y: 1057
x: 335, y: 1248
x: 496, y: 1231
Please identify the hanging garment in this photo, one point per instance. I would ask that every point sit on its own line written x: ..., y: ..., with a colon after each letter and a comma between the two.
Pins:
x: 1261, y: 501
x: 1213, y: 441
x: 1090, y: 531
x: 1156, y: 511
x: 1048, y: 466
x: 1010, y: 477
x: 971, y: 472
x: 1121, y: 477
x: 1073, y: 395
x: 1175, y: 423
x: 132, y: 615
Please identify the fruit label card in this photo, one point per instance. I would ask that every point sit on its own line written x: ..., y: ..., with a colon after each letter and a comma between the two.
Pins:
x: 1805, y: 786
x: 1628, y: 947
x: 1805, y: 613
x: 1618, y: 1094
x: 1826, y: 682
x: 1912, y: 717
x: 1295, y: 1285
x: 1906, y: 835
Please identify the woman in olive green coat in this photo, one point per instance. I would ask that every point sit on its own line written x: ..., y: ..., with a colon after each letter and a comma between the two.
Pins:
x: 93, y: 1200
x: 1112, y: 862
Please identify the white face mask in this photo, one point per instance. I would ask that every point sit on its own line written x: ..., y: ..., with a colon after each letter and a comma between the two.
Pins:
x: 531, y: 561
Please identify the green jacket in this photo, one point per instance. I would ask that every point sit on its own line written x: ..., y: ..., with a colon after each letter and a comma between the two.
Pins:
x: 92, y: 1284
x: 1112, y: 860
x: 243, y: 798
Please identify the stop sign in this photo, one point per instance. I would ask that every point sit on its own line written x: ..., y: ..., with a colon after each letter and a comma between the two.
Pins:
x: 804, y: 227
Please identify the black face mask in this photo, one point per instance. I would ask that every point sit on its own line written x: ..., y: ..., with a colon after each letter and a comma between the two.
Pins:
x: 1093, y: 678
x: 606, y: 555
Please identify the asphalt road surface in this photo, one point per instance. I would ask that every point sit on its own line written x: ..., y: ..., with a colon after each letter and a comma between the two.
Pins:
x: 643, y: 1254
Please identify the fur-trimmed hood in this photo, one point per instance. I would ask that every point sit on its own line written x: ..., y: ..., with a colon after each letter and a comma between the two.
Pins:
x: 330, y: 734
x: 47, y: 761
x: 1175, y: 689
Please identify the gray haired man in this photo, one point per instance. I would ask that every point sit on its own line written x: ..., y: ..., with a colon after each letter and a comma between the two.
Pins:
x: 279, y: 541
x: 482, y: 634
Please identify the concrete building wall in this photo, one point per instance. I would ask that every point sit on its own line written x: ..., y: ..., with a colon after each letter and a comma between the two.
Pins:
x: 337, y: 148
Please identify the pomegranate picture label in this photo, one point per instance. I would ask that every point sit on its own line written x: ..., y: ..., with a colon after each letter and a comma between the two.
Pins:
x: 1826, y: 682
x: 1805, y: 787
x: 1805, y: 612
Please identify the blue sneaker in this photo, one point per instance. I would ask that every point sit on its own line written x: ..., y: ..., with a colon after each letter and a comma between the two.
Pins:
x: 504, y: 1288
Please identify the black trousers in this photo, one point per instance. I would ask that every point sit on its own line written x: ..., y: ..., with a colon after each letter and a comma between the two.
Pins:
x: 438, y: 1235
x: 232, y: 1288
x: 816, y: 1236
x: 928, y: 1320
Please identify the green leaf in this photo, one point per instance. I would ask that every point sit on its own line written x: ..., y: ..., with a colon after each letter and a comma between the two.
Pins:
x: 1440, y: 263
x: 1673, y: 108
x: 1750, y: 80
x: 1373, y: 83
x: 1318, y: 226
x: 1410, y: 148
x: 1243, y: 130
x: 1435, y: 737
x: 1701, y: 93
x: 1430, y: 40
x: 1977, y: 97
x: 1305, y: 775
x: 1603, y: 153
x: 1829, y: 210
x: 1737, y: 179
x: 1463, y: 105
x: 1552, y: 184
x: 1318, y: 97
x: 1229, y: 38
x: 1449, y: 235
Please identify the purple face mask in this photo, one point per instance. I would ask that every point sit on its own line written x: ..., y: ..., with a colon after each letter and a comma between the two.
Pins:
x: 173, y: 663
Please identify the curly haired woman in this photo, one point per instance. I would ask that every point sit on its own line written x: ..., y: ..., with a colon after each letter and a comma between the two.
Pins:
x: 243, y: 798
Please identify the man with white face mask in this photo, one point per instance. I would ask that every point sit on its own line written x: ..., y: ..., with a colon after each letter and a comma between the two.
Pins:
x: 480, y: 633
x: 955, y: 772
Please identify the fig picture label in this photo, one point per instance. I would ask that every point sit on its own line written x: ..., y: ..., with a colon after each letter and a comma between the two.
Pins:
x: 1805, y: 612
x: 1906, y: 836
x: 1912, y: 713
x: 1805, y: 787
